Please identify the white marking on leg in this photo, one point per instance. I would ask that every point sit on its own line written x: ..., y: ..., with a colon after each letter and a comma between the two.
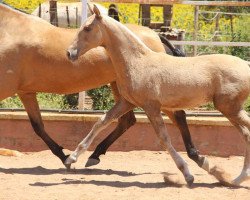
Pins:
x: 181, y: 164
x: 205, y: 165
x: 85, y: 143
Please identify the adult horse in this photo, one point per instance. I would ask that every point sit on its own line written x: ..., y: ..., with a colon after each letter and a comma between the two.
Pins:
x: 155, y: 81
x: 33, y: 59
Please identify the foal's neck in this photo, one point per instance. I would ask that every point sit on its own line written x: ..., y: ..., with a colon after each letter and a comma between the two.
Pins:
x: 124, y: 48
x: 121, y: 43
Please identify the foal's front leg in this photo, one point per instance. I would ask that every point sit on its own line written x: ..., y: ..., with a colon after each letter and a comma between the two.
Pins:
x: 124, y: 123
x: 120, y: 108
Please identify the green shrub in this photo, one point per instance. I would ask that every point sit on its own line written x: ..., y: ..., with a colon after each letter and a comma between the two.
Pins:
x: 102, y: 98
x: 70, y: 101
x: 45, y: 100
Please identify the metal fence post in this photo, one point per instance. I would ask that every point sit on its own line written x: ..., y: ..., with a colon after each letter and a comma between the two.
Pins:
x: 82, y: 95
x: 196, y: 19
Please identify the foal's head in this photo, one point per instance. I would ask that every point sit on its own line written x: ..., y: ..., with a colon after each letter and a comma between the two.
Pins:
x: 88, y: 37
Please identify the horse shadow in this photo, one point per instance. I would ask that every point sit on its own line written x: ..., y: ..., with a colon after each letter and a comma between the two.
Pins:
x: 120, y: 184
x: 116, y: 184
x: 39, y: 170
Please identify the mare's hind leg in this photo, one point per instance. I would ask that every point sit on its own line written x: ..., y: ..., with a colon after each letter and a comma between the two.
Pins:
x: 242, y: 122
x: 120, y: 108
x: 30, y: 103
x: 154, y: 115
x: 179, y: 119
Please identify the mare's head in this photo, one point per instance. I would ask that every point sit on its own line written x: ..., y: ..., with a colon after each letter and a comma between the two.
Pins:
x: 88, y: 37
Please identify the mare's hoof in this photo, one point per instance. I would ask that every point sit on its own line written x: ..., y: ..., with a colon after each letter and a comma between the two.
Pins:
x: 189, y: 180
x: 92, y: 162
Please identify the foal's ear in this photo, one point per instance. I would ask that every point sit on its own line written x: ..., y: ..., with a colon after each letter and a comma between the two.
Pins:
x: 97, y: 12
x: 90, y: 9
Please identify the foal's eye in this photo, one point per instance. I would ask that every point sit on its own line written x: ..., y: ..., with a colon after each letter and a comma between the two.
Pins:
x: 87, y: 28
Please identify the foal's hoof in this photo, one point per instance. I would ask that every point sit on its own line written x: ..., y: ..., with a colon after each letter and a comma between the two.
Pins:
x: 71, y: 159
x: 68, y: 166
x: 189, y: 180
x: 92, y: 162
x: 64, y: 162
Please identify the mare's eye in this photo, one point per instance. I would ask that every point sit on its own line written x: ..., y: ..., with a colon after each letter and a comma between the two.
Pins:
x: 87, y: 28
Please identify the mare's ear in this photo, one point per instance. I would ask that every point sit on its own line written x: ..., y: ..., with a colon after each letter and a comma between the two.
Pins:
x: 97, y: 12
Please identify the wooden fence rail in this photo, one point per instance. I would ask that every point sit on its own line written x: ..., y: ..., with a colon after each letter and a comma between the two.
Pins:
x: 208, y: 43
x: 171, y: 2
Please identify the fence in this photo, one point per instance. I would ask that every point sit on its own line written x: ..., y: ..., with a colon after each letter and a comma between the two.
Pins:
x: 206, y: 29
x: 172, y: 2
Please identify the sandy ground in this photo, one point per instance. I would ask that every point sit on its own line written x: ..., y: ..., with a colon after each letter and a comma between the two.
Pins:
x: 119, y: 176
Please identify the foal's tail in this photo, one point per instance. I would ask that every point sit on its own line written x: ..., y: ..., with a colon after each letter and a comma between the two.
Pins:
x: 175, y: 51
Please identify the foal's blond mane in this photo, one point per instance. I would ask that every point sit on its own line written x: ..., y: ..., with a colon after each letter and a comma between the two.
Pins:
x: 135, y: 41
x: 118, y: 24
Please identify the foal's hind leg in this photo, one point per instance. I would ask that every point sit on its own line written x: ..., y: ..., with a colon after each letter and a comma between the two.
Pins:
x: 242, y: 123
x: 179, y: 119
x: 154, y: 115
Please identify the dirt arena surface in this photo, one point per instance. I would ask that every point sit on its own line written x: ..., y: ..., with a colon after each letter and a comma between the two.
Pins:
x: 119, y: 176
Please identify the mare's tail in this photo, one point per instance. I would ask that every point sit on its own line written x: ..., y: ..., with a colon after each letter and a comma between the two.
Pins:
x: 175, y: 51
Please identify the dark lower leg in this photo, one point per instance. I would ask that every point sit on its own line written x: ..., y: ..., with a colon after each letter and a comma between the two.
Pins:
x: 193, y: 153
x: 124, y: 123
x: 31, y: 105
x: 53, y: 146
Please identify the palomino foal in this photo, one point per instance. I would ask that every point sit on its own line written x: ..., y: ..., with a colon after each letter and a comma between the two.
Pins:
x: 155, y: 82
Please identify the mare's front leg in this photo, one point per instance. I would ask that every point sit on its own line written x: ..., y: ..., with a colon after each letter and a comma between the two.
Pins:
x: 153, y: 112
x: 31, y: 105
x: 120, y: 108
x: 124, y: 123
x: 179, y: 119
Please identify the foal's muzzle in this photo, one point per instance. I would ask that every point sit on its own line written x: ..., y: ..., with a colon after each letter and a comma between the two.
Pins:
x: 72, y: 55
